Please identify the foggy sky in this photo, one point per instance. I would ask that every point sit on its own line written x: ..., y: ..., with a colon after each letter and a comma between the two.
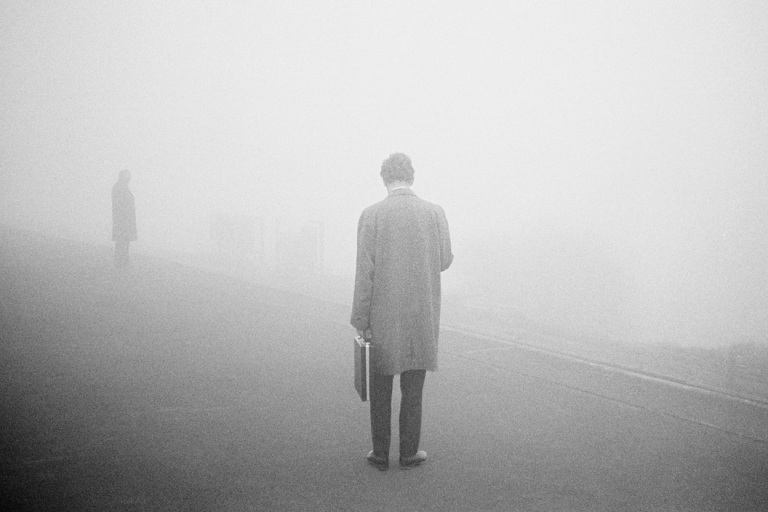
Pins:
x: 602, y: 164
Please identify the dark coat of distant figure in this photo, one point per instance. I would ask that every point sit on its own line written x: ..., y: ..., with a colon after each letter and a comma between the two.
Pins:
x: 123, y: 217
x: 403, y: 246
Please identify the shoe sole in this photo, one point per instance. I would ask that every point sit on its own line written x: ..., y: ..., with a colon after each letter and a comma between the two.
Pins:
x: 380, y: 467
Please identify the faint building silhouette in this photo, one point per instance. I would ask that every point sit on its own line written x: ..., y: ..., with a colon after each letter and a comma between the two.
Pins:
x: 302, y: 248
x: 237, y: 242
x: 123, y: 218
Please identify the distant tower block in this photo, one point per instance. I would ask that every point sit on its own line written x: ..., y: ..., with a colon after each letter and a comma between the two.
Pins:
x: 236, y: 237
x: 304, y: 249
x: 312, y: 234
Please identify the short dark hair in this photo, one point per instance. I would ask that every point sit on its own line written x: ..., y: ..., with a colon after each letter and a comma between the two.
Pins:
x: 397, y: 167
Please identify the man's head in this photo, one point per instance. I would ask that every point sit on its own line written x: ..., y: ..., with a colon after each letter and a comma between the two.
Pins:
x: 124, y: 176
x: 397, y: 168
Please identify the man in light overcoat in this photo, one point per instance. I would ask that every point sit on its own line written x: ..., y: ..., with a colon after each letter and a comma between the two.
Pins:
x: 403, y: 245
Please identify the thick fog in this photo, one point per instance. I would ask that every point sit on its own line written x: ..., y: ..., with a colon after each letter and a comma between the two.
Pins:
x: 603, y: 165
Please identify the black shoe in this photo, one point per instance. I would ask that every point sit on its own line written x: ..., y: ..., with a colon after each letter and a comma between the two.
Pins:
x: 408, y: 462
x: 380, y: 463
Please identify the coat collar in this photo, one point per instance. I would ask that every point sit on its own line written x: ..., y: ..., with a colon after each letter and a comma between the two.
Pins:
x: 401, y: 192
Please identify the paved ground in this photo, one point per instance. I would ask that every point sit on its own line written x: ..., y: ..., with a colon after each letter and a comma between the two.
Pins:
x: 167, y: 388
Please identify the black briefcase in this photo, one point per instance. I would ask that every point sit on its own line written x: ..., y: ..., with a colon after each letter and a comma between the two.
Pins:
x: 363, y: 351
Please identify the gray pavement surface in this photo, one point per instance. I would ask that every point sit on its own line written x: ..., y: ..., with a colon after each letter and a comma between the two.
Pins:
x: 169, y: 388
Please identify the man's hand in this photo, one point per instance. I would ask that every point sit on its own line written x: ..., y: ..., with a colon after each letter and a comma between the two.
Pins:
x: 366, y: 334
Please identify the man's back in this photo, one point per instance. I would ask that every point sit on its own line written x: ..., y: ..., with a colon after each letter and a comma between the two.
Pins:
x: 403, y: 245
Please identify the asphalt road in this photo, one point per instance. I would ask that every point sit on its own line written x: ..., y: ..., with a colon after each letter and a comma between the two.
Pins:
x: 169, y: 388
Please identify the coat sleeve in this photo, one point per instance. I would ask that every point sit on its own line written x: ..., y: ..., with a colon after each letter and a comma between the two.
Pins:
x: 361, y: 304
x: 446, y: 256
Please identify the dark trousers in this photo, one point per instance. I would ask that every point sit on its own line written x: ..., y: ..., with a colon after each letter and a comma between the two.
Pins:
x: 121, y: 253
x: 411, y: 386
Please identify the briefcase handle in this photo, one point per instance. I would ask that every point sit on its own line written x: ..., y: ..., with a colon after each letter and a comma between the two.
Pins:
x: 362, y: 340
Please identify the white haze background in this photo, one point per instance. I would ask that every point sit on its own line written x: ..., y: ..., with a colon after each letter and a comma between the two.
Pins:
x: 603, y: 164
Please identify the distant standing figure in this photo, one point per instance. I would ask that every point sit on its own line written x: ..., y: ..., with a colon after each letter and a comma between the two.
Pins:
x: 403, y: 245
x: 123, y: 218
